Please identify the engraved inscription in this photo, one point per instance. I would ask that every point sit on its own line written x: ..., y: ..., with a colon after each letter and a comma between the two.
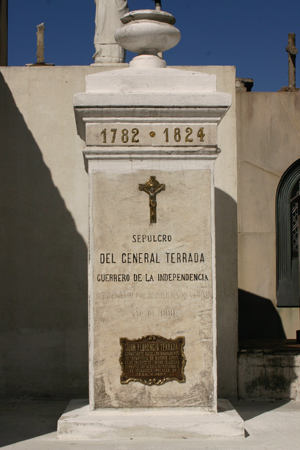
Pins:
x: 135, y: 135
x: 131, y: 136
x: 164, y: 313
x: 152, y: 360
x: 159, y: 295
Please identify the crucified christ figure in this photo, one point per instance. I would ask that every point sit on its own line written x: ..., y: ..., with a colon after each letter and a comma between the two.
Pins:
x: 152, y: 188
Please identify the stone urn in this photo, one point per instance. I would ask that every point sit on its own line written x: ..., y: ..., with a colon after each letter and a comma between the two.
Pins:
x: 148, y: 32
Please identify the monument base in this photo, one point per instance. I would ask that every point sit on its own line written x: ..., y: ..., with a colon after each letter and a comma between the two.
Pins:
x: 79, y: 423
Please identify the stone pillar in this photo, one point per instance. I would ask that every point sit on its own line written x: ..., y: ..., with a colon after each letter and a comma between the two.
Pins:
x: 40, y: 59
x: 292, y: 51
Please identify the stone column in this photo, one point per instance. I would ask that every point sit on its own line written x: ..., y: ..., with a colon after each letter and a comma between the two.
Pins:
x: 292, y: 51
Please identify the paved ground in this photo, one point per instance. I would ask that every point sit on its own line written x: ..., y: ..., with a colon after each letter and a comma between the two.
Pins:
x: 31, y: 425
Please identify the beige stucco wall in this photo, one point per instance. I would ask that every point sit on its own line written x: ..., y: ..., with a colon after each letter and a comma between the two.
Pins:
x: 44, y: 234
x: 226, y: 237
x: 268, y: 143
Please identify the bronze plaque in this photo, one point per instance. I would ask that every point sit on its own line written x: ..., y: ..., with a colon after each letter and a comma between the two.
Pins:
x: 152, y: 360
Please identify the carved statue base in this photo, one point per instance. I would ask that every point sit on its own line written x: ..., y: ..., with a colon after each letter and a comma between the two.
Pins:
x: 107, y: 21
x: 109, y: 54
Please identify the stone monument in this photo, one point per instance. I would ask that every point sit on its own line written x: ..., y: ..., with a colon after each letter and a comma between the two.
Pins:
x: 150, y: 137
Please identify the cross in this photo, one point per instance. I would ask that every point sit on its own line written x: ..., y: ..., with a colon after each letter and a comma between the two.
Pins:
x: 292, y: 51
x: 152, y: 188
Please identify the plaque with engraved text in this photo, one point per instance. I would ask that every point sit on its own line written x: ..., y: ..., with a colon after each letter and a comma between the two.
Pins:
x: 152, y: 360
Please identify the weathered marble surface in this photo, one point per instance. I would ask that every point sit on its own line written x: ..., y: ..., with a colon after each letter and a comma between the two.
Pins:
x: 132, y: 309
x: 159, y: 99
x: 167, y: 424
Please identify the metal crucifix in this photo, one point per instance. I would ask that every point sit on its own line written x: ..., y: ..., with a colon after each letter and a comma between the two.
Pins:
x: 152, y: 188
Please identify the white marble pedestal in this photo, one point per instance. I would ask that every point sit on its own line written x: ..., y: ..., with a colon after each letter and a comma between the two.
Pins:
x: 151, y: 277
x: 79, y: 423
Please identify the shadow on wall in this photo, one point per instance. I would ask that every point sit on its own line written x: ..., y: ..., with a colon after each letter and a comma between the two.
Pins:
x: 258, y: 318
x: 267, y: 368
x: 226, y: 288
x: 43, y: 316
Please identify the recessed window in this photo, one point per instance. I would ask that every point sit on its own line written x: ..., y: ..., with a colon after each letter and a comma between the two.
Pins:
x: 287, y: 238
